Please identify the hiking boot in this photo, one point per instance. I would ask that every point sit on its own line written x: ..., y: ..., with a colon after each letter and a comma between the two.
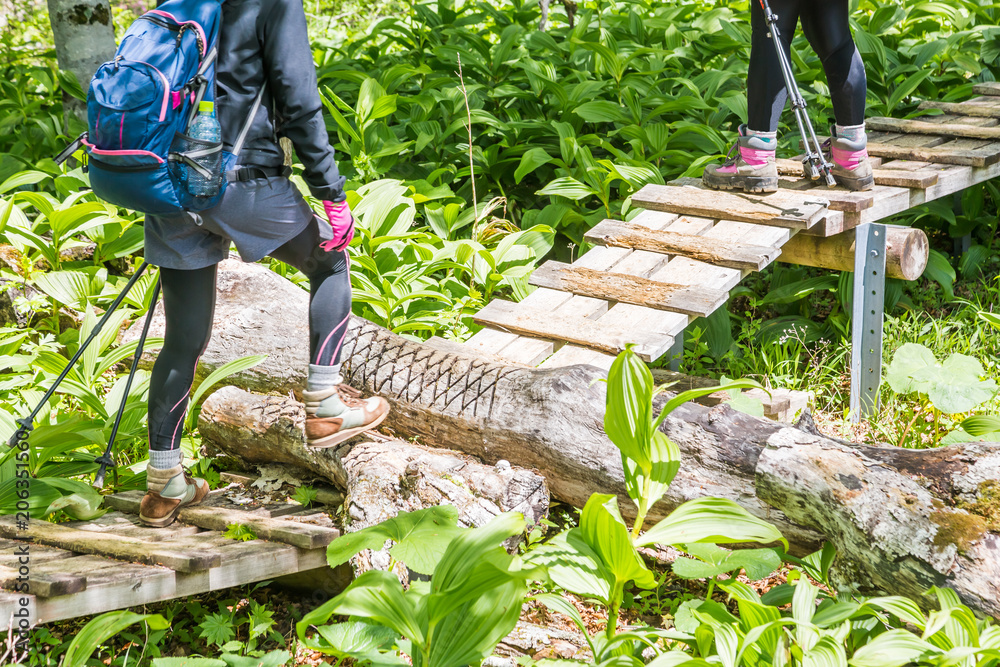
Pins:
x: 851, y: 167
x: 167, y: 491
x: 338, y: 413
x: 751, y: 169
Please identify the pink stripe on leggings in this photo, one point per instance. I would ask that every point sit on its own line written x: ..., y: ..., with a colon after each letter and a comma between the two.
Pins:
x: 319, y: 355
x: 184, y: 397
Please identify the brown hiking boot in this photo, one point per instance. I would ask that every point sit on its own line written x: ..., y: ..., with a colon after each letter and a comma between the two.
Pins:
x: 852, y: 168
x: 336, y: 414
x: 167, y: 491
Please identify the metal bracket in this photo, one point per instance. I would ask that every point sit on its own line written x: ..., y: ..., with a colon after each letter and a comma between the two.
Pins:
x: 868, y: 311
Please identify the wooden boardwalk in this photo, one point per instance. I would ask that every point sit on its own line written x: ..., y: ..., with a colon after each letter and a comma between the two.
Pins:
x: 650, y: 277
x: 114, y: 562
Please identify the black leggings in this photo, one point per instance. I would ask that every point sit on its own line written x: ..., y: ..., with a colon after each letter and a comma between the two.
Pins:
x: 189, y: 307
x: 825, y: 24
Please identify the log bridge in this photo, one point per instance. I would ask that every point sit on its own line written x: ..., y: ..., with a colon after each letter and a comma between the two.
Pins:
x: 677, y: 260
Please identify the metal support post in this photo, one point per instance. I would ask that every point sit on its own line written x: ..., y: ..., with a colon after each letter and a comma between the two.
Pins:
x: 677, y: 352
x: 868, y: 310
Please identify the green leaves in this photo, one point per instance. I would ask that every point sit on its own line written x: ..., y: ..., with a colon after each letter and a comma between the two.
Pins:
x: 952, y: 386
x: 602, y: 527
x: 716, y: 520
x: 420, y: 538
x: 713, y: 561
x: 102, y: 628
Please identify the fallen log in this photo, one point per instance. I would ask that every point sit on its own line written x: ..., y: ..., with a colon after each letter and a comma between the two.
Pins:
x: 901, y: 520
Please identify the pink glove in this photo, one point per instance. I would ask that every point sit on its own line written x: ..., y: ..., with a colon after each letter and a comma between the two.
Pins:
x: 342, y: 222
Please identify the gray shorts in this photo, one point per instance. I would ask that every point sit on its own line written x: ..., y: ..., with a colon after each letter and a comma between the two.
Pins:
x: 258, y: 215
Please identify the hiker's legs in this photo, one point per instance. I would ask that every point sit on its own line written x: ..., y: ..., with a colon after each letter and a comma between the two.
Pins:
x: 766, y: 93
x: 826, y: 26
x: 329, y: 292
x: 334, y: 410
x: 188, y: 306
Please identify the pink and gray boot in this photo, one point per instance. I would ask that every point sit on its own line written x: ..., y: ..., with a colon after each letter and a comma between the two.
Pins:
x: 849, y: 153
x: 752, y: 168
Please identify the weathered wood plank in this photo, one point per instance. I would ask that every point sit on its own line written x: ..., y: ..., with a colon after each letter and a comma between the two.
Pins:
x: 626, y: 235
x: 105, y: 544
x: 11, y: 552
x: 267, y: 528
x: 629, y: 289
x: 913, y: 126
x: 517, y: 318
x: 944, y: 153
x: 974, y: 107
x: 905, y: 179
x: 989, y: 88
x: 42, y: 584
x: 782, y: 209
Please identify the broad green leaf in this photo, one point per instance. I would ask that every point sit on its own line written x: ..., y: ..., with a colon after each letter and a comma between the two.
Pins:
x: 628, y: 412
x: 102, y: 628
x: 600, y: 111
x: 908, y: 360
x: 716, y: 520
x: 796, y: 291
x: 375, y: 595
x: 574, y: 566
x: 420, y: 538
x: 981, y: 425
x: 567, y: 187
x: 357, y: 638
x: 188, y: 662
x: 532, y: 159
x: 603, y: 528
x: 894, y: 648
x: 940, y: 270
x: 21, y: 179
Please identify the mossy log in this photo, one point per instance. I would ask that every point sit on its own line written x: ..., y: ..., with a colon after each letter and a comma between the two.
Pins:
x: 902, y: 520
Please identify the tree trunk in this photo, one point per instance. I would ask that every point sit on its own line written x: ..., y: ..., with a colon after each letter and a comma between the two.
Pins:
x: 85, y: 38
x: 906, y: 251
x: 901, y: 520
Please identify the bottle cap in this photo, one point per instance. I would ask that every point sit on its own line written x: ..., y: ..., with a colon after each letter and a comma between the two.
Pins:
x: 206, y: 107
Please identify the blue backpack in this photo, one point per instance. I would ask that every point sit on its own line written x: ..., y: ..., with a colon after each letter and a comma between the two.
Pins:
x: 140, y: 104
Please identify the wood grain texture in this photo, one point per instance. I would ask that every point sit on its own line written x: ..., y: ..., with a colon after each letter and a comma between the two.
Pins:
x: 781, y: 209
x: 913, y: 126
x: 989, y: 88
x: 517, y: 318
x: 698, y: 301
x: 615, y: 233
x: 976, y: 107
x: 114, y: 546
x: 907, y: 251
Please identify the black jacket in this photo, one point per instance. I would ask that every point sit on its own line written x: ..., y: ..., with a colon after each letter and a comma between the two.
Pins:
x: 267, y: 40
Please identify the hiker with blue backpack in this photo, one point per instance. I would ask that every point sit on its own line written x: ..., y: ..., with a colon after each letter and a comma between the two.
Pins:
x: 187, y: 74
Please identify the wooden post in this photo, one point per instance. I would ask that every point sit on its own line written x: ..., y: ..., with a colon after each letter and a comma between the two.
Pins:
x: 907, y: 251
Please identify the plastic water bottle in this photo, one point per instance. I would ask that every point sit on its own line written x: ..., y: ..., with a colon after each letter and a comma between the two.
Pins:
x: 206, y: 128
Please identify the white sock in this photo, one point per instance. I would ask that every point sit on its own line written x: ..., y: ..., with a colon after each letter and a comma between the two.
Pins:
x: 323, y: 377
x: 165, y: 459
x: 851, y: 132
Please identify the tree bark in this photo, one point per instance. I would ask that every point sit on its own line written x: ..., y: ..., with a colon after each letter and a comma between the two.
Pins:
x: 85, y: 38
x: 901, y: 519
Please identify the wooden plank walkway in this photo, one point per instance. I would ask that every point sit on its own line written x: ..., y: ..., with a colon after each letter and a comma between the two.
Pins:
x: 650, y: 277
x: 113, y: 562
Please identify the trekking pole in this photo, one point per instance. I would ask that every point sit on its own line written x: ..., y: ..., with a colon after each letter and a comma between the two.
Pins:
x: 814, y: 162
x: 106, y: 459
x: 26, y: 424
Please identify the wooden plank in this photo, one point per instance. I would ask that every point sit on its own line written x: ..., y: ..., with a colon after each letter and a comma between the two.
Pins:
x: 296, y: 534
x: 623, y: 234
x: 41, y: 584
x: 572, y: 355
x: 783, y: 209
x: 905, y: 179
x: 629, y: 289
x: 947, y: 153
x: 604, y: 337
x: 533, y: 351
x: 128, y: 503
x: 911, y: 126
x: 12, y: 551
x: 107, y: 544
x: 128, y: 525
x: 989, y: 88
x: 974, y: 107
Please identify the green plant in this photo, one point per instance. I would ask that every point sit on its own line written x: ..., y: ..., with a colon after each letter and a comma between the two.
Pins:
x: 950, y: 387
x: 103, y: 627
x: 239, y: 531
